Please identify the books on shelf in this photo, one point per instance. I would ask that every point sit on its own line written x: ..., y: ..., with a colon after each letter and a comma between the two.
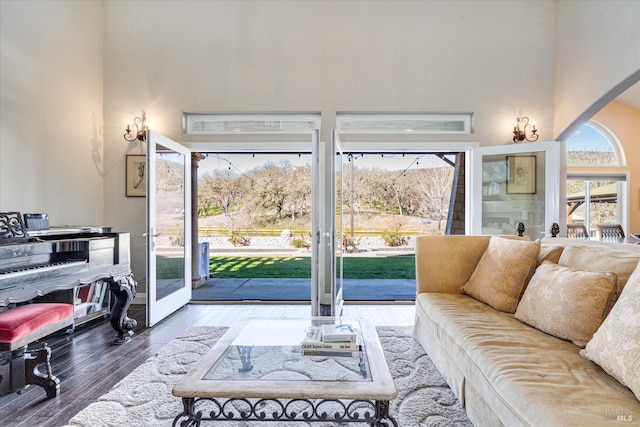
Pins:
x: 103, y: 291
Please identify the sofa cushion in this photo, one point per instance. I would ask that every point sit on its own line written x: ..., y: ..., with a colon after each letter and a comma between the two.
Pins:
x: 549, y: 253
x: 567, y: 303
x: 503, y: 272
x: 616, y: 345
x: 595, y: 258
x: 526, y: 377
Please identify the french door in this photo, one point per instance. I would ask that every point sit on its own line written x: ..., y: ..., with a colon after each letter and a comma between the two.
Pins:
x: 168, y: 227
x: 517, y: 183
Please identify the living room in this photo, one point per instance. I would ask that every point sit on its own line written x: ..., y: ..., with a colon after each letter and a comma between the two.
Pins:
x: 74, y: 73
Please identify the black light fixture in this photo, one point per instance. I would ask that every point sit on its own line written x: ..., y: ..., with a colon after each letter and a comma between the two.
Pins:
x: 520, y: 134
x: 140, y: 131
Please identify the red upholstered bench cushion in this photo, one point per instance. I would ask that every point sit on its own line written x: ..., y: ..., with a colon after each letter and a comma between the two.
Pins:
x: 18, y: 322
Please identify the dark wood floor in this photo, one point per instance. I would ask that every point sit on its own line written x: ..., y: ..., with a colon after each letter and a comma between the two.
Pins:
x: 88, y: 364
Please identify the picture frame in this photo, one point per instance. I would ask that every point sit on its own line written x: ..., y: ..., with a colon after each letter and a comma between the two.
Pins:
x: 521, y: 174
x: 136, y: 176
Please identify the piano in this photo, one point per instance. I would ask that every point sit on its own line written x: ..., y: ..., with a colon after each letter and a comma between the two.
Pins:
x: 39, y: 262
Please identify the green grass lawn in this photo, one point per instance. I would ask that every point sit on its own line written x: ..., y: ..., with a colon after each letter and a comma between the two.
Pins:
x: 247, y: 267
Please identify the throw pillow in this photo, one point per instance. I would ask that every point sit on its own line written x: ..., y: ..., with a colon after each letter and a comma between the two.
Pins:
x: 616, y: 345
x: 594, y: 258
x: 549, y: 253
x: 567, y: 303
x: 503, y: 272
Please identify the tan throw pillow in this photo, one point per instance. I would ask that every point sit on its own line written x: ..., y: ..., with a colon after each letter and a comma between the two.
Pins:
x: 567, y: 303
x: 549, y: 253
x: 616, y: 345
x: 503, y: 272
x: 598, y: 258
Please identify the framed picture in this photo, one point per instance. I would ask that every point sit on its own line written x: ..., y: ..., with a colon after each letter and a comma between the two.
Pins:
x: 136, y: 175
x: 521, y: 174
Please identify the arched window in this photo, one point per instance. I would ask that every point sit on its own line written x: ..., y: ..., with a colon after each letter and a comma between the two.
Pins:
x: 594, y: 196
x: 594, y: 145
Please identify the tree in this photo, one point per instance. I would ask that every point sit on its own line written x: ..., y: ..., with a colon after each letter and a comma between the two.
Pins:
x: 299, y: 191
x: 435, y: 185
x: 272, y: 186
x: 222, y: 189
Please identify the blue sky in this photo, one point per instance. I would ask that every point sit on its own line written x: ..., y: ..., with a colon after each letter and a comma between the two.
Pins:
x: 588, y: 138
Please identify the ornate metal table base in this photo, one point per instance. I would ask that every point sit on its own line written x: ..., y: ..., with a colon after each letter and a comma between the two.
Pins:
x: 199, y: 410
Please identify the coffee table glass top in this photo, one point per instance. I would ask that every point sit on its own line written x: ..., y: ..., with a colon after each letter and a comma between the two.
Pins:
x: 262, y: 357
x: 269, y: 350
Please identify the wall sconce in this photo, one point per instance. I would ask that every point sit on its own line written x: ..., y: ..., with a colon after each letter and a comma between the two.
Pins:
x: 140, y: 132
x: 520, y: 135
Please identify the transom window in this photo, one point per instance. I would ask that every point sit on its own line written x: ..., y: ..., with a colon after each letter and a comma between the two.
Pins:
x: 404, y: 123
x: 206, y: 124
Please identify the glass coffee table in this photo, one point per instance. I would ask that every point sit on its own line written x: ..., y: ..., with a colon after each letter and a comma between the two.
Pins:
x: 257, y: 372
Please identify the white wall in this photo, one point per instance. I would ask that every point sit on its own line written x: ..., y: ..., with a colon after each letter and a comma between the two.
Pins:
x: 597, y: 46
x: 478, y: 56
x: 167, y: 57
x: 51, y: 81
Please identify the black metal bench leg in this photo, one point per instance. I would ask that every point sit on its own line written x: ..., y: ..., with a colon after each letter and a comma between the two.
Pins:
x: 22, y: 367
x: 33, y: 359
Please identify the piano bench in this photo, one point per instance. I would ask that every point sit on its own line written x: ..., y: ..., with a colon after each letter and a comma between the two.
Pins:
x: 19, y: 327
x: 27, y: 323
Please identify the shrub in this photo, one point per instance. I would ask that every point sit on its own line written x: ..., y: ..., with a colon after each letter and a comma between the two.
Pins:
x: 237, y: 239
x: 177, y: 241
x: 300, y: 243
x: 393, y: 238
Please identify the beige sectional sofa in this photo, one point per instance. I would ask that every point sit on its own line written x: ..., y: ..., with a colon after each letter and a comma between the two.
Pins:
x: 500, y: 349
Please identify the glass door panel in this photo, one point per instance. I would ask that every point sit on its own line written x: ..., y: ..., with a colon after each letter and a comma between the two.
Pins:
x: 515, y: 184
x: 594, y: 201
x: 168, y: 225
x: 338, y: 225
x: 316, y: 273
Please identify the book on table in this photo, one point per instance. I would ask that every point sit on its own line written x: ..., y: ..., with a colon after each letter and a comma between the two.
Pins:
x: 317, y: 343
x: 338, y: 333
x: 331, y: 353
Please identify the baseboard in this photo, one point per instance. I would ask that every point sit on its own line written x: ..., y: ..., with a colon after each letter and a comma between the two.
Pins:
x: 140, y: 299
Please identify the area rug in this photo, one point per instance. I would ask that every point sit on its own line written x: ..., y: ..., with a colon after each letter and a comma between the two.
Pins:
x: 144, y: 398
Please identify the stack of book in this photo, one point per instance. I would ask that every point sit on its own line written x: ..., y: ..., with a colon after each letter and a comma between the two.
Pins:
x: 331, y: 340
